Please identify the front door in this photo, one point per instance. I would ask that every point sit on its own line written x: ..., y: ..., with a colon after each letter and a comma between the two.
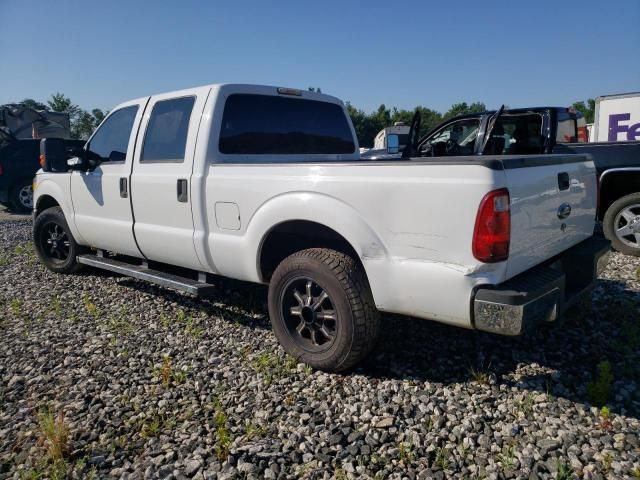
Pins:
x: 100, y: 196
x: 161, y: 179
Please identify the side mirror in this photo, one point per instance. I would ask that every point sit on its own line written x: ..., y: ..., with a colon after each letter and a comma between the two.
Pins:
x: 393, y: 143
x: 53, y: 155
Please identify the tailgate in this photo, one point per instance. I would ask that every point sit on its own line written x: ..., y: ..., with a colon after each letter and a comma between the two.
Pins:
x: 553, y: 206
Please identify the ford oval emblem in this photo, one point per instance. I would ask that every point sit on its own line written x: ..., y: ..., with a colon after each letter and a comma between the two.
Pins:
x: 564, y: 211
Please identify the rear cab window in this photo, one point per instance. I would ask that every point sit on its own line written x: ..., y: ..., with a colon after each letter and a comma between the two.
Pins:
x: 517, y: 134
x: 165, y: 139
x: 254, y: 124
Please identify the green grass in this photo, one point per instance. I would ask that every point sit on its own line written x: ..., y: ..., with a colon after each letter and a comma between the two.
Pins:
x: 272, y: 366
x: 223, y: 435
x: 565, y: 472
x: 168, y: 376
x: 479, y: 375
x: 442, y: 458
x: 508, y: 458
x: 406, y: 453
x: 91, y: 308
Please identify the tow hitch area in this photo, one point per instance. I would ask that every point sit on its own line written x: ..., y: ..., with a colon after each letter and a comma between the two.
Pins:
x: 543, y: 293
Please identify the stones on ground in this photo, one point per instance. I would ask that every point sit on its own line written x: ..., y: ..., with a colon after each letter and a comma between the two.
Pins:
x: 157, y: 384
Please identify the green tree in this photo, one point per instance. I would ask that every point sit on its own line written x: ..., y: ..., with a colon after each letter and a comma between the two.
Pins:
x: 587, y: 109
x: 31, y: 103
x: 463, y: 109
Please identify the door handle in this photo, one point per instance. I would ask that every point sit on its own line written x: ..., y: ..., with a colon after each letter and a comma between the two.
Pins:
x: 183, y: 196
x: 124, y: 191
x: 563, y: 181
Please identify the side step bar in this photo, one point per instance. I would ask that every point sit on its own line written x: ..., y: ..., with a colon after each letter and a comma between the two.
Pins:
x: 142, y: 272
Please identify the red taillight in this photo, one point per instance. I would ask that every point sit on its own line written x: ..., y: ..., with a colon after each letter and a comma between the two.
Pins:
x: 492, y: 232
x: 1, y: 169
x: 42, y: 160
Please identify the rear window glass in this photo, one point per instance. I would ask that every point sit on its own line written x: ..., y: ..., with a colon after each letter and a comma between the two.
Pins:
x: 517, y: 134
x: 264, y: 124
x: 166, y: 136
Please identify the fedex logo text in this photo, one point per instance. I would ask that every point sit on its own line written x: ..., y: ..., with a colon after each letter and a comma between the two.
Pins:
x: 615, y: 127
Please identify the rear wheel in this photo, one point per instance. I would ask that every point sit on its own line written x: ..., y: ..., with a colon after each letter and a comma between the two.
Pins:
x: 621, y: 224
x: 54, y: 243
x: 322, y: 309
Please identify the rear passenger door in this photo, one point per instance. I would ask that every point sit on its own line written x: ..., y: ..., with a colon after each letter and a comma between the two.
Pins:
x: 161, y: 178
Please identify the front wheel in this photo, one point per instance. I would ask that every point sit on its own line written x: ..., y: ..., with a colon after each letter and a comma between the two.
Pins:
x: 54, y: 243
x: 621, y: 224
x: 322, y: 310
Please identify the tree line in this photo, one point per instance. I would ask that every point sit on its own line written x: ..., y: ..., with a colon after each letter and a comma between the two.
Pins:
x: 367, y: 125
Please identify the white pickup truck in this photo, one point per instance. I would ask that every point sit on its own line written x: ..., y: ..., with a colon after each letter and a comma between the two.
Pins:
x: 266, y: 185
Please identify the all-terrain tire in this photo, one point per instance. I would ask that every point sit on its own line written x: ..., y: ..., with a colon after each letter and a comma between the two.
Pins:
x: 611, y: 224
x: 353, y: 332
x: 54, y: 242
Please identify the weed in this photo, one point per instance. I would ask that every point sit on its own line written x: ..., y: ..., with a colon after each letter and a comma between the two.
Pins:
x: 222, y: 432
x: 118, y: 325
x: 308, y: 370
x: 192, y: 329
x: 166, y: 372
x: 91, y: 308
x: 428, y: 424
x: 565, y: 472
x: 607, y: 460
x: 151, y: 426
x: 56, y: 306
x: 27, y: 250
x: 164, y: 320
x: 442, y: 458
x: 4, y: 259
x: 508, y: 458
x: 271, y: 366
x: 55, y: 433
x: 605, y: 418
x: 407, y: 455
x: 15, y: 306
x: 340, y: 474
x: 635, y: 473
x: 254, y: 430
x: 479, y: 375
x: 599, y: 390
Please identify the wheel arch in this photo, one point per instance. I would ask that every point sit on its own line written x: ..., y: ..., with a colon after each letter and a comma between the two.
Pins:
x: 615, y: 184
x: 309, y: 219
x: 49, y: 193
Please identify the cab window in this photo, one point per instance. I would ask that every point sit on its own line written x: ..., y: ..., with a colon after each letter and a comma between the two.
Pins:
x: 455, y: 139
x: 275, y: 125
x: 516, y: 134
x: 166, y: 137
x: 111, y: 140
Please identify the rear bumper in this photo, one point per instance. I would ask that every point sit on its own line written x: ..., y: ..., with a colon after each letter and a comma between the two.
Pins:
x: 541, y: 294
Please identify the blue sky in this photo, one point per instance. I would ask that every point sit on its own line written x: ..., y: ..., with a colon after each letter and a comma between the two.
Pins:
x: 401, y: 53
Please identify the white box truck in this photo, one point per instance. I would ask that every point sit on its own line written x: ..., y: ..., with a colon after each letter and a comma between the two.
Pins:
x: 617, y: 118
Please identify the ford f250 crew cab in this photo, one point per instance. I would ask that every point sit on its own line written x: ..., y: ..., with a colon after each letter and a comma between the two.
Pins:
x: 266, y: 184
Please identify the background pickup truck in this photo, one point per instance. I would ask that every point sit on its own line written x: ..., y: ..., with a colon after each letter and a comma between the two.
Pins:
x: 19, y: 162
x: 266, y: 184
x: 20, y: 130
x: 541, y: 131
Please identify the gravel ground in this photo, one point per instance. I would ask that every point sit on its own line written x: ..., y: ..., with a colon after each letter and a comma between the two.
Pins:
x: 104, y: 377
